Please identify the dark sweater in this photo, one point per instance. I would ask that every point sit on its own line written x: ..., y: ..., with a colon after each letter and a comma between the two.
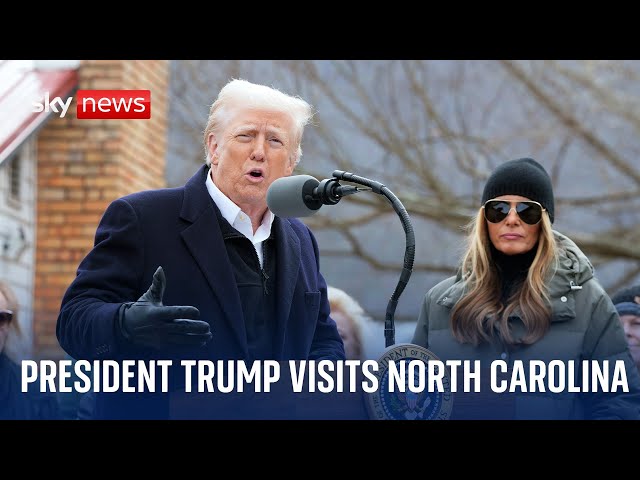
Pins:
x: 256, y: 286
x: 512, y: 270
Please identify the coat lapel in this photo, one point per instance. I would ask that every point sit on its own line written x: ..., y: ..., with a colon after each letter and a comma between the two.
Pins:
x: 204, y: 240
x: 287, y: 268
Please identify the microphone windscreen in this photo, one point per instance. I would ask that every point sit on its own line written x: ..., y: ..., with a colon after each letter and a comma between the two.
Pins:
x: 292, y: 196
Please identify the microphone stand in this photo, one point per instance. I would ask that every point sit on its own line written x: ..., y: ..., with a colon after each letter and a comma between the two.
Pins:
x: 409, y: 252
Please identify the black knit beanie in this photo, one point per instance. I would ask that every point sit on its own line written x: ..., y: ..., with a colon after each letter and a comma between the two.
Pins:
x: 627, y: 301
x: 627, y: 294
x: 524, y: 177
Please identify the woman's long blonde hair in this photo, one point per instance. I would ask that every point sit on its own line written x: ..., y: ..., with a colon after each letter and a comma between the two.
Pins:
x: 480, y: 311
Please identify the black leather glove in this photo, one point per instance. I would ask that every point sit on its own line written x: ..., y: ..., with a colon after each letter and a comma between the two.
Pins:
x: 150, y: 323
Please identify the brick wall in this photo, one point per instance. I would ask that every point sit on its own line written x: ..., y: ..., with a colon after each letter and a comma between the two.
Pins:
x: 82, y: 166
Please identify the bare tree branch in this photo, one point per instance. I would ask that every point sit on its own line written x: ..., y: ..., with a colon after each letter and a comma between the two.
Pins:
x: 606, y: 245
x: 624, y: 196
x: 433, y: 130
x: 572, y: 122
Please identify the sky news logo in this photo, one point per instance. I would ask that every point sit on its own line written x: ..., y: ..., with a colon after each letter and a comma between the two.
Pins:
x: 101, y: 104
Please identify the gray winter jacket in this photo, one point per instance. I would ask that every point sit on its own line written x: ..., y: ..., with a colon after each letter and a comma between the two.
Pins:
x: 584, y: 326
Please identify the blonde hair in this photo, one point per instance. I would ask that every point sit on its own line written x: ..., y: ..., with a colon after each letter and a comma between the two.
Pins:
x: 12, y: 348
x: 480, y: 310
x: 240, y: 95
x: 342, y: 301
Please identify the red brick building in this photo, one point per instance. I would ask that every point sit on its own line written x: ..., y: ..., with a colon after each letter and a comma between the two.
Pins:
x: 81, y: 166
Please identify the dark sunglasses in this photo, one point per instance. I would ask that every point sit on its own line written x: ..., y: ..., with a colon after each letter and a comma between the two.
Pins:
x: 529, y: 212
x: 5, y: 316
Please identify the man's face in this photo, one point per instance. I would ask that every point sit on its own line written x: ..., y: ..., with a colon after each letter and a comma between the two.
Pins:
x: 255, y: 149
x: 631, y: 325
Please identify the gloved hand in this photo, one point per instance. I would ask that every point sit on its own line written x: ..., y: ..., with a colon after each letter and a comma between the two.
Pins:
x: 150, y: 323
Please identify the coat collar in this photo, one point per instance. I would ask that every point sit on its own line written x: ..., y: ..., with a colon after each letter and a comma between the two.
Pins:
x: 204, y: 241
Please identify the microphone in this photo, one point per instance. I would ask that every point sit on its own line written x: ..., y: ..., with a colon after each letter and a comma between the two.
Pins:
x: 303, y: 195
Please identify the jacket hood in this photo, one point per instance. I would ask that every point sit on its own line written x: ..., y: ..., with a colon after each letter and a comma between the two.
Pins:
x: 573, y: 267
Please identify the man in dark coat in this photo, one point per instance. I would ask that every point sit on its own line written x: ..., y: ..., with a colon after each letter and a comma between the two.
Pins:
x: 216, y: 275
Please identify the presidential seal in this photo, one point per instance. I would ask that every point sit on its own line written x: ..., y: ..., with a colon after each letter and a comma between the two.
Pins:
x: 413, y: 384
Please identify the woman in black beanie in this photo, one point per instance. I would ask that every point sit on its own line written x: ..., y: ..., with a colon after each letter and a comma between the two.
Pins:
x: 525, y: 292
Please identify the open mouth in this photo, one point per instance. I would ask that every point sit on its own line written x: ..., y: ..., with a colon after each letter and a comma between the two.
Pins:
x: 255, y: 175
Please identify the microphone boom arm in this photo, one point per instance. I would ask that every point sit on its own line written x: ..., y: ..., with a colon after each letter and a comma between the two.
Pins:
x: 410, y: 246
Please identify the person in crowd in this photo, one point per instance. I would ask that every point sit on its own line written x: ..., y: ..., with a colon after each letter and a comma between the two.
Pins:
x: 627, y: 302
x: 14, y: 403
x: 351, y: 320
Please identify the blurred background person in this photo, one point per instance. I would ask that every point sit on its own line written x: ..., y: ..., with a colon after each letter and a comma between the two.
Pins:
x: 15, y: 404
x: 627, y: 302
x: 351, y: 320
x: 362, y: 335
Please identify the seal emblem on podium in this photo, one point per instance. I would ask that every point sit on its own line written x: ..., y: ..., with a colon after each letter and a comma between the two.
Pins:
x: 403, y: 386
